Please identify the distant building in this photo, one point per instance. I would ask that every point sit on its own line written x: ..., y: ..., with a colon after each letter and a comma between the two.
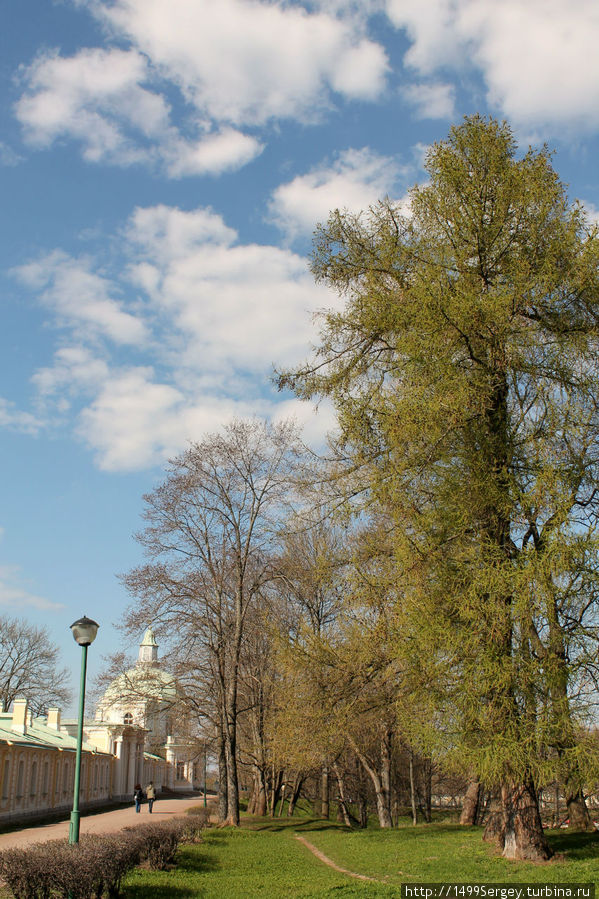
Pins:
x: 139, y: 734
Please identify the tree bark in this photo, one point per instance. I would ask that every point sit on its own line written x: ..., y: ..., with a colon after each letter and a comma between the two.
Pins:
x: 578, y: 812
x: 381, y: 780
x: 471, y: 805
x: 413, y: 790
x: 324, y: 792
x: 522, y: 835
x: 222, y: 778
x: 297, y: 786
x: 343, y: 809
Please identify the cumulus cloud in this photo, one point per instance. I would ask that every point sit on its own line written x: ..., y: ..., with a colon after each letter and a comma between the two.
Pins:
x: 95, y: 97
x: 211, y: 315
x: 431, y: 101
x: 231, y: 306
x: 538, y: 58
x: 82, y: 299
x: 98, y: 97
x: 354, y: 180
x: 245, y: 61
x: 225, y: 150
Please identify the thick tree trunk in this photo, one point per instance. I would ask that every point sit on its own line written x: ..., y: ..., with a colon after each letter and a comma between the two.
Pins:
x: 471, y: 805
x: 522, y: 836
x: 493, y: 832
x: 260, y: 803
x: 578, y: 812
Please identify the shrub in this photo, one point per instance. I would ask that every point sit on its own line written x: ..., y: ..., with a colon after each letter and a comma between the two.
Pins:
x: 96, y: 865
x: 158, y: 841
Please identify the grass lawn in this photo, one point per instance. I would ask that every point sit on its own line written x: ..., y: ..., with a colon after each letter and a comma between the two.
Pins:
x: 263, y: 858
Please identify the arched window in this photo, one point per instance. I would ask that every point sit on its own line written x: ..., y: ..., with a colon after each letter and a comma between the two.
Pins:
x: 128, y: 719
x: 45, y: 780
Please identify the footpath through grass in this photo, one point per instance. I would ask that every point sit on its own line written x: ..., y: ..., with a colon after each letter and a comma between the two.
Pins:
x: 263, y: 858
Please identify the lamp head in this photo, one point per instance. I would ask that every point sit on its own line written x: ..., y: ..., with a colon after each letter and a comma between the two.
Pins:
x: 84, y: 631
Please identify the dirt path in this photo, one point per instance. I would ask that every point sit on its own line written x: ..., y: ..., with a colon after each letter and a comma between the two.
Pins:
x: 328, y: 861
x: 101, y: 822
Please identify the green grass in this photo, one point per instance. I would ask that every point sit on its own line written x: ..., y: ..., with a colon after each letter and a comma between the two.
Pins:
x: 263, y: 859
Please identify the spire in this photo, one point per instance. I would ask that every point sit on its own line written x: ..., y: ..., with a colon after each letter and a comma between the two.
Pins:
x: 148, y: 648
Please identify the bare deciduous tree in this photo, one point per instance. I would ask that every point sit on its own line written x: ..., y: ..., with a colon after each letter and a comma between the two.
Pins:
x: 209, y: 534
x: 28, y: 666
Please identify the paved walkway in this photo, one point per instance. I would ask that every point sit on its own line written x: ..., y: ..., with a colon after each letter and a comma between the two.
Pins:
x: 101, y: 822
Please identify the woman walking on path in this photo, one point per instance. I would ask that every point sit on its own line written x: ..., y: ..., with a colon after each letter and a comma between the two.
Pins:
x: 138, y: 795
x: 151, y: 794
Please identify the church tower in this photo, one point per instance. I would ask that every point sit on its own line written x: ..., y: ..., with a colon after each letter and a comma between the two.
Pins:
x: 148, y: 649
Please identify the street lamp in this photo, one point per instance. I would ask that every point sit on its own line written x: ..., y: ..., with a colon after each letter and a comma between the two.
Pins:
x: 84, y: 633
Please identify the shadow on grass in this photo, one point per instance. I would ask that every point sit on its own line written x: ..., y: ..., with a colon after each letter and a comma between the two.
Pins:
x: 293, y: 824
x: 574, y: 845
x: 143, y: 890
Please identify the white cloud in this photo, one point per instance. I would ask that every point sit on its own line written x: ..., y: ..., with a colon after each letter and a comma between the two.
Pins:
x: 224, y: 312
x: 13, y: 419
x: 230, y: 306
x: 432, y: 101
x: 538, y: 58
x: 96, y: 97
x: 354, y: 181
x: 225, y: 150
x: 15, y: 596
x: 82, y: 299
x: 245, y: 61
x: 75, y: 370
x: 136, y: 421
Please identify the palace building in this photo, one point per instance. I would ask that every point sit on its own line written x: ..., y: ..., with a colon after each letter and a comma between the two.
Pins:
x: 138, y: 734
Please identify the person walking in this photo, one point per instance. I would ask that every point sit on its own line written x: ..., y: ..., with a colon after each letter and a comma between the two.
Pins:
x: 151, y: 794
x: 138, y: 795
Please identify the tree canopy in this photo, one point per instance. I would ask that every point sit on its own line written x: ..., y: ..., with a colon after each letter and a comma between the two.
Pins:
x: 463, y: 368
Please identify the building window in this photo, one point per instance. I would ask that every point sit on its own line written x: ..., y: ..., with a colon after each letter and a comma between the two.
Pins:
x: 180, y: 770
x: 128, y: 719
x: 6, y: 779
x: 20, y: 779
x: 33, y: 780
x: 45, y: 780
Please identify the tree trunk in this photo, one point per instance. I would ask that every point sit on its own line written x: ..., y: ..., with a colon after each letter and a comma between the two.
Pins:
x: 413, y: 790
x: 343, y: 809
x: 277, y: 782
x: 232, y: 816
x: 471, y: 805
x: 427, y: 781
x: 522, y: 836
x: 578, y: 812
x: 324, y: 793
x: 381, y: 781
x: 297, y: 786
x: 222, y: 778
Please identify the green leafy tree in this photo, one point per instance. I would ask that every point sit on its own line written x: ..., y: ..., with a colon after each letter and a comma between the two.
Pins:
x: 464, y: 372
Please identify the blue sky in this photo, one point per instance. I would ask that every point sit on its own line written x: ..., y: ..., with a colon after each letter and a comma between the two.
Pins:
x: 162, y: 165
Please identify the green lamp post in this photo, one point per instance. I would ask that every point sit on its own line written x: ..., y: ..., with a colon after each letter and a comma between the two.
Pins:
x: 84, y: 633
